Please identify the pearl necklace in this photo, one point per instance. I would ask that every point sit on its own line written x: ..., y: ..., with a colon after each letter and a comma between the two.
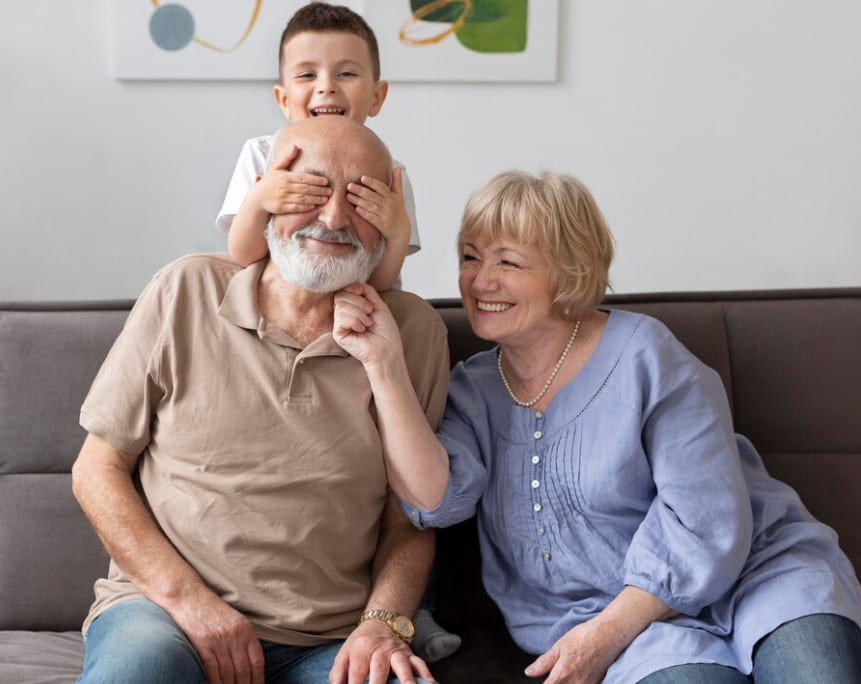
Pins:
x: 556, y: 368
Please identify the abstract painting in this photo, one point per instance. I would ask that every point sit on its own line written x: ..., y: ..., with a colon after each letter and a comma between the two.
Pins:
x: 420, y: 40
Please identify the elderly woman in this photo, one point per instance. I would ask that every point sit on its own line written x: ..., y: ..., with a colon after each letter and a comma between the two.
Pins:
x: 627, y: 534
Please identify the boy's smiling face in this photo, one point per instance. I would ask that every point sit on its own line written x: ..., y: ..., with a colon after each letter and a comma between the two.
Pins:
x: 328, y: 73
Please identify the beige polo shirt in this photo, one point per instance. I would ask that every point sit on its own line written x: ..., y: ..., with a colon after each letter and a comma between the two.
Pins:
x: 260, y: 460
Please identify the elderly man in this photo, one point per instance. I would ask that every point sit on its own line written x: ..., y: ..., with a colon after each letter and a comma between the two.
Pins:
x: 233, y: 467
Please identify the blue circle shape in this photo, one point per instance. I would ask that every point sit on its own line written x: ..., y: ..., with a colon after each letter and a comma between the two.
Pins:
x: 171, y: 27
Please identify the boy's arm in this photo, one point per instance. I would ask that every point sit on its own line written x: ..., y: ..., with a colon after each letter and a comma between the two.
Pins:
x: 388, y: 271
x: 278, y: 191
x: 245, y: 241
x: 385, y: 209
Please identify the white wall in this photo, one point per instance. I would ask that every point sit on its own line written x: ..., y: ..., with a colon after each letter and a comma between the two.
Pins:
x: 722, y: 140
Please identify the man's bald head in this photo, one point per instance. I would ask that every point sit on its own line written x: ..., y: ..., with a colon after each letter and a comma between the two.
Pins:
x: 333, y: 143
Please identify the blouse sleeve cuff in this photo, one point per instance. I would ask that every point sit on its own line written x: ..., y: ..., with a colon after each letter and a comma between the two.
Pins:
x: 681, y: 604
x: 450, y: 510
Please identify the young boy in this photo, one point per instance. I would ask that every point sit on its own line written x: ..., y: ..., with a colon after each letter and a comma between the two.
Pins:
x: 329, y: 66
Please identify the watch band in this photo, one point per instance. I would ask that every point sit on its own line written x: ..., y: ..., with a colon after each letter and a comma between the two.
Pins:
x: 401, y: 626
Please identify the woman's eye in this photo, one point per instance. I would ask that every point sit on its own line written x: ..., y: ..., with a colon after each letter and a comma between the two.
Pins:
x: 508, y: 264
x: 468, y: 257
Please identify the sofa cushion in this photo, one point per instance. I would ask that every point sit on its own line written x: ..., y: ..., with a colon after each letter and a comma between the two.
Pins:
x: 40, y: 657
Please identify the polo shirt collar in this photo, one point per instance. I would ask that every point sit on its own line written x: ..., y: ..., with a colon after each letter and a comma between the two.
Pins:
x: 239, y: 307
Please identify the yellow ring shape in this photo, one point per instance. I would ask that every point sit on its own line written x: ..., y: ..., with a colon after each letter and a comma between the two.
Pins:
x: 242, y: 38
x: 428, y: 9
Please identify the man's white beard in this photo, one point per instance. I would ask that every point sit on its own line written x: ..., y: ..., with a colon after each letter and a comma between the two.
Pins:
x: 321, y: 273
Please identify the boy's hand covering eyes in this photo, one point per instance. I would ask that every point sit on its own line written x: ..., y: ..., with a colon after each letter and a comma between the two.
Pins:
x: 382, y: 206
x: 281, y: 191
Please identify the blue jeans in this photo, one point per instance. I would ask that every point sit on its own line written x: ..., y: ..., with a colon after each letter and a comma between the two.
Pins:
x: 136, y: 642
x: 817, y: 649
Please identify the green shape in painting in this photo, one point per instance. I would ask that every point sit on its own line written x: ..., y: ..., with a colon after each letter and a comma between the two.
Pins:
x: 491, y: 26
x: 506, y: 32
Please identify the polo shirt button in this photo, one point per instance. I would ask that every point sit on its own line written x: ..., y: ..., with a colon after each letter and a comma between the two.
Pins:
x: 547, y: 555
x: 536, y: 507
x: 535, y: 484
x: 537, y: 434
x: 536, y: 459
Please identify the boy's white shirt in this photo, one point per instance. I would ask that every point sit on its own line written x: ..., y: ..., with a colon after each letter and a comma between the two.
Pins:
x: 252, y: 162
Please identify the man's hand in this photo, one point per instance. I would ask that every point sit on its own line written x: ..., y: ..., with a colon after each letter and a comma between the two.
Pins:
x: 223, y: 638
x: 382, y: 206
x: 281, y: 191
x: 364, y: 326
x: 581, y: 656
x: 371, y: 652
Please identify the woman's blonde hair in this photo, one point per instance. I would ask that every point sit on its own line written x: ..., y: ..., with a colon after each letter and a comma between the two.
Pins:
x: 556, y: 214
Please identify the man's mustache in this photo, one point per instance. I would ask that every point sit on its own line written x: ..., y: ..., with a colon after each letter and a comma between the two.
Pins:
x: 318, y: 231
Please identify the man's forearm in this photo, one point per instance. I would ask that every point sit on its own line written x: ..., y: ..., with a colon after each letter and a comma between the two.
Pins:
x: 402, y: 563
x: 102, y: 484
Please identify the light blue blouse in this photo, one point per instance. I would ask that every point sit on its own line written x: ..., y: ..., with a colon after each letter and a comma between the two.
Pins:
x: 633, y: 476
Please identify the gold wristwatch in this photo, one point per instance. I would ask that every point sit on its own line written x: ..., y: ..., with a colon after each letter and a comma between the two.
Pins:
x: 400, y: 625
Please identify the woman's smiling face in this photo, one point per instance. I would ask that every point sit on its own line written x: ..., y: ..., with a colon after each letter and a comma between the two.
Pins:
x: 506, y: 290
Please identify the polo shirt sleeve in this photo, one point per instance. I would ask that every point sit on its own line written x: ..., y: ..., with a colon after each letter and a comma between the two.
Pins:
x: 465, y: 435
x: 122, y: 399
x: 696, y: 535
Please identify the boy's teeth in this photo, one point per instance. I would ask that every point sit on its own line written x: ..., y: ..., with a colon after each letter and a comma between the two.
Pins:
x: 492, y: 306
x: 327, y: 110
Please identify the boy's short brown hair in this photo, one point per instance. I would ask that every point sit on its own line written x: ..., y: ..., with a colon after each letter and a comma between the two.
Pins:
x: 321, y: 16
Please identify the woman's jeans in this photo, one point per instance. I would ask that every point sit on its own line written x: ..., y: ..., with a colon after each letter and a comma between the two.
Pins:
x: 136, y: 642
x: 817, y: 649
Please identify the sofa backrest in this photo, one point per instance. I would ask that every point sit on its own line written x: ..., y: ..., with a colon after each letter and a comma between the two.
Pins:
x: 49, y: 355
x: 791, y: 363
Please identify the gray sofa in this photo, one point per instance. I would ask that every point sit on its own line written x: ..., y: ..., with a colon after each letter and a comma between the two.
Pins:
x: 790, y: 360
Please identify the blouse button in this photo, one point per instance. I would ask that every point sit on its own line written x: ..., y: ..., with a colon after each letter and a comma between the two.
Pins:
x: 547, y: 555
x: 538, y: 414
x: 535, y: 484
x: 537, y: 434
x: 536, y: 459
x: 536, y: 507
x: 541, y: 531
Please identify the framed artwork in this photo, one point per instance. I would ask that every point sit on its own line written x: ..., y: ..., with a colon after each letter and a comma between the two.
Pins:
x: 420, y: 40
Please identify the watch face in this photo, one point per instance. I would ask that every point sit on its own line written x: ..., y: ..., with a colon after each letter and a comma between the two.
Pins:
x: 403, y: 626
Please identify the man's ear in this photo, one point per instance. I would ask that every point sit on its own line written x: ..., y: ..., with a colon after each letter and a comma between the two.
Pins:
x: 280, y: 96
x: 381, y: 89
